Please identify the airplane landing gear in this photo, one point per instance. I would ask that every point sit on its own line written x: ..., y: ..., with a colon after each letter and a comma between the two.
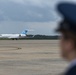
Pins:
x: 14, y: 39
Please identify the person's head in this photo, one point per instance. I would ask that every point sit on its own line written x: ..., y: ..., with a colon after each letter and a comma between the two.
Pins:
x: 67, y: 41
x: 68, y: 29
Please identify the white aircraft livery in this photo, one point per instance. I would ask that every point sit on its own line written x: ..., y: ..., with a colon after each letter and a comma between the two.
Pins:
x: 14, y: 36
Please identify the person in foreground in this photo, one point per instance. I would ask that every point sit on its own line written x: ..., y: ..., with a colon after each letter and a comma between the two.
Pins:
x: 67, y: 28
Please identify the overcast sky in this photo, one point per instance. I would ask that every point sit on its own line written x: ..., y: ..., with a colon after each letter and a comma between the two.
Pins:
x: 39, y: 15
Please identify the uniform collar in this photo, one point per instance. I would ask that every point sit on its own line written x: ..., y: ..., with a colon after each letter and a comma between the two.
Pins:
x: 73, y: 63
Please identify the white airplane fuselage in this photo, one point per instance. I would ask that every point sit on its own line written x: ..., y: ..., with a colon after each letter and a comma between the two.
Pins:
x: 12, y: 36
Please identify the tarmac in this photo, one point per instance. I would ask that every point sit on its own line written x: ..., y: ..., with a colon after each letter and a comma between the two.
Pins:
x: 31, y: 57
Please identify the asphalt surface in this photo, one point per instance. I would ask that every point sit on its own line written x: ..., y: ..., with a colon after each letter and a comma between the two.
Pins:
x: 31, y: 57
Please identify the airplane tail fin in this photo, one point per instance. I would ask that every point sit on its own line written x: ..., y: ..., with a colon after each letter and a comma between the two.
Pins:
x: 24, y: 32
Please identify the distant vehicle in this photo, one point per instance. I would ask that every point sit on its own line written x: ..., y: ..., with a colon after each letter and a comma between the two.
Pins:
x: 15, y: 36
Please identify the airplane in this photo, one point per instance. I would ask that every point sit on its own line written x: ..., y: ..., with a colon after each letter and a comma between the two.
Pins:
x: 15, y: 36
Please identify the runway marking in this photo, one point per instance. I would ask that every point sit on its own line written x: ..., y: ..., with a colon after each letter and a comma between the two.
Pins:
x: 9, y: 48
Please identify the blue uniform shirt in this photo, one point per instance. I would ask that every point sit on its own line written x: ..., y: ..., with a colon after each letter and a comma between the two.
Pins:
x: 72, y: 64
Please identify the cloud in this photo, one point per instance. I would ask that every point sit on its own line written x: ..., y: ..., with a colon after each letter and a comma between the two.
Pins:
x: 30, y: 11
x: 17, y: 27
x: 18, y: 15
